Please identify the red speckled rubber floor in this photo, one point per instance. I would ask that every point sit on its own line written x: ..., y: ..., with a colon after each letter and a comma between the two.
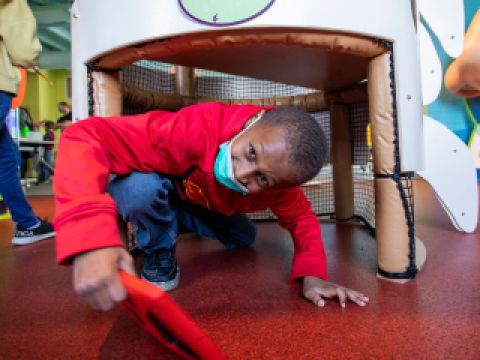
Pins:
x: 242, y: 299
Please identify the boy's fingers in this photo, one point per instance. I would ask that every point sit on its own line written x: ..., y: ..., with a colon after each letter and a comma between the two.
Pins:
x: 342, y: 296
x: 315, y: 297
x: 98, y: 297
x: 318, y: 300
x: 102, y: 300
x: 358, y: 298
x: 126, y: 263
x: 116, y: 290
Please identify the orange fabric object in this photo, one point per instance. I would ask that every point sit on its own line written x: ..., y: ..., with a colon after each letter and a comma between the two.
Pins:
x: 17, y: 100
x: 167, y: 321
x: 462, y: 77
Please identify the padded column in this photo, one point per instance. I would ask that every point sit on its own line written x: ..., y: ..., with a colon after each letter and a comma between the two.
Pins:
x: 107, y: 95
x: 394, y: 223
x: 391, y: 228
x: 185, y: 81
x: 341, y: 157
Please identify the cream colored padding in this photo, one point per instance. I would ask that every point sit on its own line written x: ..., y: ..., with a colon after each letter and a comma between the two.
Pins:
x: 314, y: 59
x: 356, y: 94
x: 392, y: 231
x: 146, y: 100
x: 381, y: 114
x: 185, y: 81
x: 390, y: 228
x: 107, y: 95
x: 420, y: 259
x: 341, y: 157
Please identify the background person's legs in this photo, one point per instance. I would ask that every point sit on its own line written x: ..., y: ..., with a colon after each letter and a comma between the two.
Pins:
x: 10, y: 186
x: 29, y: 228
x: 45, y: 169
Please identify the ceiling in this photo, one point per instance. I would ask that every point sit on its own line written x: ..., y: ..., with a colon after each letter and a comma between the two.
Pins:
x: 53, y: 24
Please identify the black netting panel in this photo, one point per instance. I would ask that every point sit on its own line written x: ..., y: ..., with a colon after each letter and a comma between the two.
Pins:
x: 155, y: 76
x: 359, y: 121
x: 363, y: 184
x: 148, y: 75
x: 215, y: 84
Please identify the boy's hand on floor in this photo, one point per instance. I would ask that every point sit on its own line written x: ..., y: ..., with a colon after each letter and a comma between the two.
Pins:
x: 317, y: 290
x: 96, y: 279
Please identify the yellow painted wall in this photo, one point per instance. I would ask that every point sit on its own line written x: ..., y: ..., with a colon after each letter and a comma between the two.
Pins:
x: 41, y: 98
x: 31, y: 100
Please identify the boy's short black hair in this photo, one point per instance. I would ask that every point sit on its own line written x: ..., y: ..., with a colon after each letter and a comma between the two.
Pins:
x: 49, y: 124
x: 306, y: 142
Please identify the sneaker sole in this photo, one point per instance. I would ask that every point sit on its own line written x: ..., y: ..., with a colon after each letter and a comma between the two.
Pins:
x: 32, y: 239
x: 166, y: 285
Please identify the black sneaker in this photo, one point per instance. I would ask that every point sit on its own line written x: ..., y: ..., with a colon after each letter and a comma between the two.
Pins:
x: 160, y: 268
x: 25, y: 236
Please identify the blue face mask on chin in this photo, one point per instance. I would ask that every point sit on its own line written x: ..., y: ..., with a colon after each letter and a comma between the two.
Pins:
x: 223, y: 169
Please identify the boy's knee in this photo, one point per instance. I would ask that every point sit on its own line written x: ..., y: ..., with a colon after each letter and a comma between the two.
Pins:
x: 137, y: 192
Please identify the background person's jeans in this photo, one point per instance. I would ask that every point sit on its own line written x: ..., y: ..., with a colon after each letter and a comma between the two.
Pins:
x: 10, y: 186
x: 150, y: 202
x: 44, y: 170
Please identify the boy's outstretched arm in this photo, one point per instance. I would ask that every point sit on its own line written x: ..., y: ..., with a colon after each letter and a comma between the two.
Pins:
x: 317, y: 290
x: 309, y: 261
x: 96, y: 279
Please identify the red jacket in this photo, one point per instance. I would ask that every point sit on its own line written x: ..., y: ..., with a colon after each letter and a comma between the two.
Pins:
x: 182, y: 145
x: 49, y: 136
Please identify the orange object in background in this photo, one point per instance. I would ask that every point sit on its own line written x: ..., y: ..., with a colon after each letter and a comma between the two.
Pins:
x: 462, y: 77
x: 17, y: 100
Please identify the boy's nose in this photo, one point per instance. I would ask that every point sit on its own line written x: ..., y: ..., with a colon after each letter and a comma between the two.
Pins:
x: 243, y: 171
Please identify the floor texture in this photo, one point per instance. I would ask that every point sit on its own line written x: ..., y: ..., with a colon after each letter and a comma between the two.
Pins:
x: 242, y: 299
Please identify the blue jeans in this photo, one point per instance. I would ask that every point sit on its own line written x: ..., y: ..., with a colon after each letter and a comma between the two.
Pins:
x: 44, y: 170
x: 10, y: 186
x: 151, y: 203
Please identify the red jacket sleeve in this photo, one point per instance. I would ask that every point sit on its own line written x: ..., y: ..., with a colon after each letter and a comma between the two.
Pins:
x: 90, y: 150
x: 295, y: 214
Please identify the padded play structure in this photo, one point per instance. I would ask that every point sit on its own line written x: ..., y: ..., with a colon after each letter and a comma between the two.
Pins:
x: 336, y: 58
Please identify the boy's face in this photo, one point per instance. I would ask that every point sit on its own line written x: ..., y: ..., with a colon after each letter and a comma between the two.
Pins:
x: 260, y: 159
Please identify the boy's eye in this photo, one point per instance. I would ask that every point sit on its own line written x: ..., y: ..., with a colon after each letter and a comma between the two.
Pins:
x: 263, y: 180
x: 251, y: 151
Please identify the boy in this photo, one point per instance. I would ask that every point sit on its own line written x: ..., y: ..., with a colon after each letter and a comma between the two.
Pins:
x: 198, y: 169
x: 46, y: 164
